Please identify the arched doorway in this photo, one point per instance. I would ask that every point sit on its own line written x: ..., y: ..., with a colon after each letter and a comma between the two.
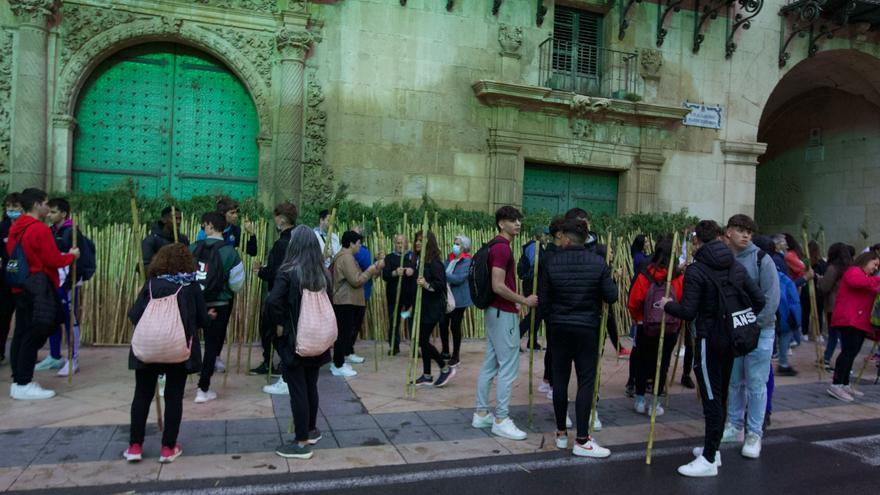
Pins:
x: 173, y: 118
x: 822, y: 129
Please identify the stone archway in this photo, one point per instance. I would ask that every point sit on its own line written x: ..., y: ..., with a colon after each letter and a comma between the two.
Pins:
x: 821, y: 124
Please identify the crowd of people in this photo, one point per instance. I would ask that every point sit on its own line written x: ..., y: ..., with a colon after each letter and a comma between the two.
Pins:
x: 732, y: 299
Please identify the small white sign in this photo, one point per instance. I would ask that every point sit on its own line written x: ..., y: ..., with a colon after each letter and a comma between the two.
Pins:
x: 702, y: 115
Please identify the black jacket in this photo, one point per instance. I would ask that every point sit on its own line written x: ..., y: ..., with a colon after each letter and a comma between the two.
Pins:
x: 700, y: 302
x: 573, y: 285
x: 193, y: 313
x: 156, y: 240
x: 408, y: 285
x: 47, y: 312
x: 433, y: 301
x: 282, y: 307
x: 275, y: 259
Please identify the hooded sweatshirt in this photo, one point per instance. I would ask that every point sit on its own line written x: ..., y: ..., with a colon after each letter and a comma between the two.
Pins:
x: 39, y: 248
x: 767, y: 280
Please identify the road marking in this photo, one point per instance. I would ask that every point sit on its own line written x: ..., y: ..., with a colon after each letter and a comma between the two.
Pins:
x: 866, y: 448
x: 431, y: 475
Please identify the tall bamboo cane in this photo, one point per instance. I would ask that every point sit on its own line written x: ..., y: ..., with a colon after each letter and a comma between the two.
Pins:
x: 657, y: 383
x: 603, y: 330
x: 174, y: 223
x: 375, y: 330
x: 814, y: 316
x: 328, y: 243
x: 417, y: 314
x: 395, y: 327
x: 865, y: 365
x: 532, y: 318
x: 71, y: 297
x: 677, y: 350
x: 136, y: 224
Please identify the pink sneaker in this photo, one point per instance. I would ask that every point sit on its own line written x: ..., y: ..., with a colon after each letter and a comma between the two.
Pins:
x: 134, y: 453
x: 168, y: 454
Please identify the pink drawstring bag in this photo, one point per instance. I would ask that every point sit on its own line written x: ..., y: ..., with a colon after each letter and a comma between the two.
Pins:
x: 316, y: 329
x: 159, y: 336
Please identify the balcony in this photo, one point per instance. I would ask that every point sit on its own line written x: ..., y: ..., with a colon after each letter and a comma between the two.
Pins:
x: 589, y: 70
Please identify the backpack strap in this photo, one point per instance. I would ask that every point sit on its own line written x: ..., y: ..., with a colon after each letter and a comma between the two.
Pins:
x: 150, y: 287
x: 759, y: 260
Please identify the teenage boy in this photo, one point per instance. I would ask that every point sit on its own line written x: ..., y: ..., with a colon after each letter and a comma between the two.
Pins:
x: 228, y: 208
x: 321, y: 233
x: 574, y: 285
x: 209, y: 253
x: 11, y: 212
x: 748, y: 380
x: 502, y: 332
x: 43, y: 261
x: 162, y: 234
x: 713, y: 263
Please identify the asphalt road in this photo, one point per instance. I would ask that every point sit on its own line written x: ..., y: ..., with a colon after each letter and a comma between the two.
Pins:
x: 830, y: 459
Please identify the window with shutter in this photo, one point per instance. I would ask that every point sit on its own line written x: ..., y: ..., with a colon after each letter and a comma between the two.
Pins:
x: 577, y: 36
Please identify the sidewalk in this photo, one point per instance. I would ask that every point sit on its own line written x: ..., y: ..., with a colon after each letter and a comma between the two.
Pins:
x: 77, y: 438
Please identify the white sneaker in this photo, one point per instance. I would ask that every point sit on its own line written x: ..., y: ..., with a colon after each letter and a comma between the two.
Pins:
x: 161, y: 385
x: 590, y: 449
x: 732, y: 434
x: 640, y: 405
x: 482, y: 421
x: 49, y: 363
x: 277, y: 388
x: 65, y: 370
x: 550, y: 394
x: 562, y: 442
x: 659, y: 410
x: 31, y: 391
x: 839, y: 392
x: 544, y: 387
x: 219, y: 366
x: 344, y: 371
x: 698, y: 451
x: 752, y: 446
x: 507, y: 429
x: 202, y: 397
x: 699, y: 468
x: 568, y: 423
x: 597, y: 424
x: 354, y: 359
x: 853, y: 392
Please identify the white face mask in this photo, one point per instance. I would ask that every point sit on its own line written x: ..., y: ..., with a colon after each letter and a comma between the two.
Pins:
x: 405, y: 314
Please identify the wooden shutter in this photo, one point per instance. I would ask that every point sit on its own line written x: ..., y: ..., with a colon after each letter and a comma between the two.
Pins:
x: 577, y: 36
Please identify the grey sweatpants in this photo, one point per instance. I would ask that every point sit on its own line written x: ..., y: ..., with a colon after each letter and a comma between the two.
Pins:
x: 502, y: 360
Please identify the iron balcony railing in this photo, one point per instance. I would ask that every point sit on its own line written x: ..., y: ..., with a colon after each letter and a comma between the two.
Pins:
x: 588, y: 69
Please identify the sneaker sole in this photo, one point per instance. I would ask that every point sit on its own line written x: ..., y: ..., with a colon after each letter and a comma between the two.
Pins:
x: 314, y: 441
x: 591, y: 454
x: 510, y: 437
x: 844, y: 399
x: 169, y: 460
x: 700, y: 475
x: 295, y: 456
x: 132, y: 458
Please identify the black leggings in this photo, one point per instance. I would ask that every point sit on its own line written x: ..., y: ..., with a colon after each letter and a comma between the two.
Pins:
x: 145, y: 390
x: 302, y: 381
x: 580, y: 346
x: 215, y: 335
x: 359, y: 315
x: 851, y: 340
x: 7, y: 308
x: 688, y: 344
x: 429, y: 352
x: 345, y: 320
x: 452, y: 319
x: 647, y: 359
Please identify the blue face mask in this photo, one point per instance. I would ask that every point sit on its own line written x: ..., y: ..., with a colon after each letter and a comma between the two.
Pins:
x: 13, y: 214
x: 456, y: 249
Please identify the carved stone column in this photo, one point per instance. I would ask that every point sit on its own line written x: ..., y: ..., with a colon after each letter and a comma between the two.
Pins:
x: 62, y: 136
x: 265, y: 184
x: 740, y: 163
x: 29, y: 109
x: 293, y: 46
x: 505, y: 174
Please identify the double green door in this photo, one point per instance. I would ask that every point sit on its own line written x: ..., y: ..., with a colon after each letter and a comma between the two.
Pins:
x: 173, y: 119
x: 557, y: 189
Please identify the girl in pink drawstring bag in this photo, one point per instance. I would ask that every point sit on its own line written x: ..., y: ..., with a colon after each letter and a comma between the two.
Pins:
x: 302, y: 317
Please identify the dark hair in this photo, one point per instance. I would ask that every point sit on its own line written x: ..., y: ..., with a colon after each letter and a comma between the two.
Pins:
x: 839, y: 255
x: 417, y: 237
x: 61, y: 204
x: 166, y: 212
x: 813, y: 250
x: 216, y: 219
x: 350, y: 237
x: 876, y: 247
x: 556, y: 225
x: 742, y: 221
x: 577, y: 214
x: 707, y: 230
x: 304, y: 258
x: 225, y: 205
x: 764, y: 243
x: 432, y: 250
x: 506, y: 213
x: 172, y: 259
x: 662, y: 254
x: 287, y: 210
x: 852, y: 250
x: 32, y: 196
x: 12, y: 198
x: 575, y: 230
x: 638, y: 245
x: 864, y: 258
x: 794, y: 245
x: 323, y: 214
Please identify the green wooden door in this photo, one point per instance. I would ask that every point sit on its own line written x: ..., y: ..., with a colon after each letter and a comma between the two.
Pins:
x: 556, y: 189
x: 173, y: 119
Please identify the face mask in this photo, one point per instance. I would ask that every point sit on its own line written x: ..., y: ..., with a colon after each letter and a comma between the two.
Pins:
x: 279, y: 228
x: 456, y: 249
x: 13, y: 214
x: 405, y: 314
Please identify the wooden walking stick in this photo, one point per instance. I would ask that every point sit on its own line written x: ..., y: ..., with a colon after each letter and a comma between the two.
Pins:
x: 657, y: 382
x: 532, y: 318
x: 814, y: 315
x: 395, y: 327
x: 603, y: 330
x: 375, y: 329
x: 174, y: 224
x: 417, y: 313
x: 136, y: 227
x: 71, y: 297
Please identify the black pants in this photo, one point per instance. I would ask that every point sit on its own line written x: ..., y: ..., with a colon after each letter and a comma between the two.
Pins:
x: 359, y: 315
x: 647, y: 359
x: 611, y: 330
x: 452, y: 320
x: 633, y: 360
x: 429, y: 352
x: 345, y: 321
x: 145, y: 390
x: 548, y: 356
x: 580, y: 346
x: 688, y: 344
x: 303, y: 384
x: 215, y: 335
x: 266, y: 334
x: 7, y: 308
x: 713, y: 370
x: 25, y: 343
x: 394, y: 327
x: 851, y: 340
x: 526, y: 323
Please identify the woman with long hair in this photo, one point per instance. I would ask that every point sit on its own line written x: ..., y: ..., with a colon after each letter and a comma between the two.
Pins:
x: 852, y: 318
x: 433, y: 284
x: 637, y: 251
x: 839, y: 259
x: 457, y: 265
x: 794, y: 256
x: 649, y: 281
x: 302, y: 269
x: 172, y: 271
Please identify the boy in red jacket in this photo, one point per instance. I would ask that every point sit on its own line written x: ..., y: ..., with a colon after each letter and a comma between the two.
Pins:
x: 42, y: 256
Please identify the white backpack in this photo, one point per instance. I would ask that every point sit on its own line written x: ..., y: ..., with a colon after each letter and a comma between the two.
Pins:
x: 316, y: 329
x: 159, y: 336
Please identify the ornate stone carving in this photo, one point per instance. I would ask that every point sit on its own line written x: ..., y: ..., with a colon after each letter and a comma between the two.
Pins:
x: 650, y: 63
x: 262, y: 6
x: 293, y: 43
x: 5, y: 99
x: 33, y: 10
x: 583, y: 106
x: 317, y: 176
x: 81, y: 23
x: 257, y: 48
x: 510, y: 38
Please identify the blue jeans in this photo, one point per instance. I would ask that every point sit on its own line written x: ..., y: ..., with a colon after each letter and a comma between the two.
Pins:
x: 785, y: 346
x: 831, y: 345
x: 748, y: 385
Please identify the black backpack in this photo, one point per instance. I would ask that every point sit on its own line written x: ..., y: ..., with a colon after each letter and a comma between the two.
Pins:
x: 211, y: 275
x: 740, y: 330
x: 86, y: 265
x: 17, y: 268
x: 480, y: 276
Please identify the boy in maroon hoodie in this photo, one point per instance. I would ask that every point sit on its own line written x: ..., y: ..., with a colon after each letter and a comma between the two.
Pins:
x: 38, y: 245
